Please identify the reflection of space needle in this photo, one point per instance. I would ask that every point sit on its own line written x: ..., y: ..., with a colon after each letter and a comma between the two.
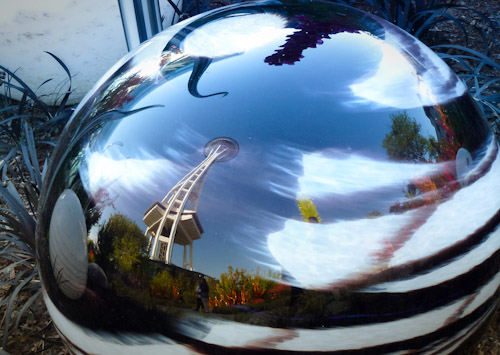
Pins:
x: 170, y: 221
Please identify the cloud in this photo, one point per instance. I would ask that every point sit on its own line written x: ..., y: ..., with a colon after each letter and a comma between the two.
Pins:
x: 408, y: 75
x: 237, y: 34
x: 346, y: 174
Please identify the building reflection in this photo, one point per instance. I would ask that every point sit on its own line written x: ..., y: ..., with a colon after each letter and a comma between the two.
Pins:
x: 174, y: 220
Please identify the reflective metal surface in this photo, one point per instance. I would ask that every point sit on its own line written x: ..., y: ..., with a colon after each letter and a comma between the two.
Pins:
x: 273, y: 176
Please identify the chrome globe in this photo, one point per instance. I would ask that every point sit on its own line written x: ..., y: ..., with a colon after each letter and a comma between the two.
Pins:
x: 273, y: 176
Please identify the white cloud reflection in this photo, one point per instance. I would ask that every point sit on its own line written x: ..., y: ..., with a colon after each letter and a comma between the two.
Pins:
x: 317, y: 255
x: 321, y: 255
x: 130, y: 174
x: 408, y: 75
x: 125, y: 179
x: 350, y: 173
x: 468, y: 210
x: 434, y: 73
x: 237, y: 34
x: 394, y: 83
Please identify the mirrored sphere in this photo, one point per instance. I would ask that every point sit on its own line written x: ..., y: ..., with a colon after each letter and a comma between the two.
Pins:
x: 288, y: 176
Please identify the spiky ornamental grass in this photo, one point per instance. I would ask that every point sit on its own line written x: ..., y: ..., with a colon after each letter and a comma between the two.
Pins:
x: 29, y: 129
x: 28, y: 132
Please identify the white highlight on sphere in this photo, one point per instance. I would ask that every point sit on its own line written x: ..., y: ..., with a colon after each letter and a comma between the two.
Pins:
x: 68, y: 245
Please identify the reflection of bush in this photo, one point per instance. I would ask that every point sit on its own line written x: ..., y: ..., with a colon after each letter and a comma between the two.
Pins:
x: 235, y: 287
x: 238, y: 287
x: 121, y: 252
x: 186, y: 284
x: 308, y: 210
x: 312, y: 304
x: 163, y: 285
x: 175, y: 286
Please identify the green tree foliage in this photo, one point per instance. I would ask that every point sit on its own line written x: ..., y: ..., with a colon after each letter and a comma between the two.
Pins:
x: 121, y: 242
x: 405, y: 142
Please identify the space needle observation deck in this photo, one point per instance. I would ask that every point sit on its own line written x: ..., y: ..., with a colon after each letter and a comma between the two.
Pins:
x: 174, y: 220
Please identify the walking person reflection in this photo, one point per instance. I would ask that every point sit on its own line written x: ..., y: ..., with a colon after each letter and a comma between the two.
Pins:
x: 202, y: 295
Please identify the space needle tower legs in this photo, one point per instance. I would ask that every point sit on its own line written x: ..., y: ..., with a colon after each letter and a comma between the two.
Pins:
x: 174, y: 219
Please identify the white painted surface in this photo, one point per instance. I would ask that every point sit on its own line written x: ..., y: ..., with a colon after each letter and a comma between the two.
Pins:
x: 86, y: 35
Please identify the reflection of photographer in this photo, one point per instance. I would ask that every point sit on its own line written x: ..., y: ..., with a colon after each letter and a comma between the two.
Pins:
x: 202, y: 294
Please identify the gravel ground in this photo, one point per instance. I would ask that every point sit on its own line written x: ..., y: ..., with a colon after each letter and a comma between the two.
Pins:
x: 37, y: 334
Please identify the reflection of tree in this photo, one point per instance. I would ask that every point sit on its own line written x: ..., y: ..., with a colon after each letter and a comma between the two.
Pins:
x: 405, y: 142
x: 308, y: 210
x: 92, y: 216
x: 95, y: 205
x: 310, y: 34
x: 121, y: 243
x: 119, y: 94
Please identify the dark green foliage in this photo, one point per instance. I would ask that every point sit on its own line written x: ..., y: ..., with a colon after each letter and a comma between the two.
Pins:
x: 29, y: 129
x: 162, y: 285
x: 415, y: 17
x: 404, y: 141
x: 481, y: 75
x: 177, y: 288
x: 121, y: 242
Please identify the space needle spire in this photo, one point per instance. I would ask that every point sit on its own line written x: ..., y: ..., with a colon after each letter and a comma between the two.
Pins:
x: 173, y: 220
